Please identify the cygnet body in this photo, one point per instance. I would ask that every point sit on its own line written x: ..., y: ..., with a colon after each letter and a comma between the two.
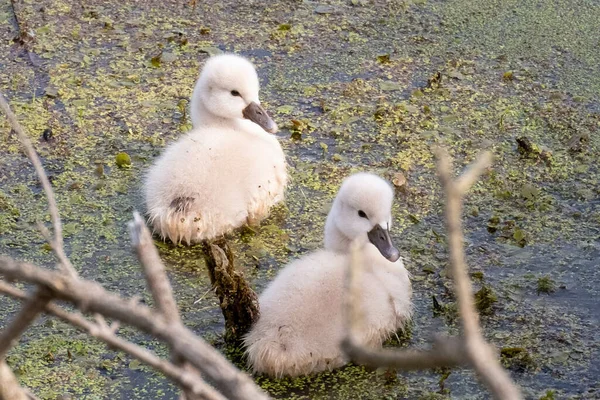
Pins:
x: 301, y: 323
x: 229, y: 170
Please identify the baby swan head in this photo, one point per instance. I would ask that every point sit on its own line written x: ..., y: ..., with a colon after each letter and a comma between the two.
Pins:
x: 228, y: 88
x: 362, y: 210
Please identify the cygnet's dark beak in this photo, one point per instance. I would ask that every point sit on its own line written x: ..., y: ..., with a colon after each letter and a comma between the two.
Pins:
x: 255, y: 113
x: 381, y: 239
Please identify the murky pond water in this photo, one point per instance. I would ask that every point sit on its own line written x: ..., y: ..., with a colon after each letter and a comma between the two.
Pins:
x: 360, y: 78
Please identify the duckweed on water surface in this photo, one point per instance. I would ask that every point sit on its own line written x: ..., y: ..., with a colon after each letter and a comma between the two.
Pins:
x: 354, y: 86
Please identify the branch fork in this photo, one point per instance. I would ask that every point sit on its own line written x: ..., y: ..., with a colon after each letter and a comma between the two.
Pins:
x: 470, y: 349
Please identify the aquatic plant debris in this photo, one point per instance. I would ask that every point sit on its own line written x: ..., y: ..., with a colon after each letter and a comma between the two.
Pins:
x: 545, y: 284
x: 325, y: 69
x: 123, y: 160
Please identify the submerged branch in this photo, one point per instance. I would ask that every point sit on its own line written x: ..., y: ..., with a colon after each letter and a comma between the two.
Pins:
x: 239, y: 303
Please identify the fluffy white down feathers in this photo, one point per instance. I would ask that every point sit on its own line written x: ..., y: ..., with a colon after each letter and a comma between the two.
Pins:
x: 226, y: 172
x: 301, y: 326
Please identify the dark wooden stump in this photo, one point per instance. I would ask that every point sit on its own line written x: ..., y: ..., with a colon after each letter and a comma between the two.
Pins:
x: 239, y: 303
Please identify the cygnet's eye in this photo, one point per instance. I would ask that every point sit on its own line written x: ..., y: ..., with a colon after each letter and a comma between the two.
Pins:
x: 235, y: 93
x: 362, y: 214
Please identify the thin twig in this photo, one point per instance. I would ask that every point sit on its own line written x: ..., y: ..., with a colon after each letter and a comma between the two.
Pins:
x: 158, y: 283
x: 471, y: 348
x: 462, y: 283
x: 106, y: 334
x: 464, y: 182
x: 204, y: 295
x: 57, y: 242
x: 445, y: 352
x: 481, y: 356
x: 92, y: 297
x: 28, y: 313
x: 154, y: 270
x: 25, y: 34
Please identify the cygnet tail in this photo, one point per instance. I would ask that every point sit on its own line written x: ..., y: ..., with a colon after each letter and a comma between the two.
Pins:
x: 283, y: 354
x: 179, y: 224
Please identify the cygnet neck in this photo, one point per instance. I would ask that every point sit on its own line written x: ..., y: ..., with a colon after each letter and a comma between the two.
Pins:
x: 335, y: 239
x: 201, y: 116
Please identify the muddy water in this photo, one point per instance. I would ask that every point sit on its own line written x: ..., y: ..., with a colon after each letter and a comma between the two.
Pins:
x: 361, y: 78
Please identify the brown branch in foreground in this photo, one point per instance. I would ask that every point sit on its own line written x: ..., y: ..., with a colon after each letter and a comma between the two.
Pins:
x: 445, y: 352
x: 57, y: 241
x: 454, y: 194
x: 178, y: 375
x: 470, y: 349
x: 481, y: 355
x: 9, y: 386
x: 153, y: 268
x: 92, y: 297
x: 233, y: 383
x: 31, y: 309
x: 158, y: 283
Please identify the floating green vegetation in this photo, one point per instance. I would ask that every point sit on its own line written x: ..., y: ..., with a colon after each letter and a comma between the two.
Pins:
x: 549, y: 395
x: 485, y: 298
x: 509, y: 30
x: 116, y: 78
x: 478, y: 275
x: 516, y: 358
x: 545, y: 284
x: 345, y: 382
x: 123, y: 160
x: 79, y: 365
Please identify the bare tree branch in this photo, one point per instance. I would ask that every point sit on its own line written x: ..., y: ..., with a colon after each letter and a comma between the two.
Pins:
x: 9, y: 386
x: 32, y: 307
x: 57, y: 242
x: 106, y: 334
x: 232, y: 382
x: 464, y: 182
x: 471, y: 348
x: 158, y: 283
x: 481, y: 355
x: 26, y: 35
x: 445, y: 352
x: 90, y: 296
x: 154, y: 270
x: 454, y: 194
